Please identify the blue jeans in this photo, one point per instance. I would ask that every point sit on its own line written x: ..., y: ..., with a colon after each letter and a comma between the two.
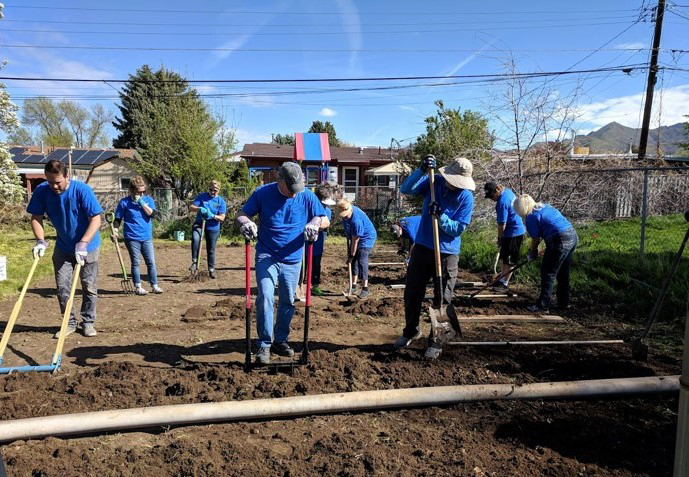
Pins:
x: 136, y: 249
x: 211, y: 240
x: 556, y: 263
x: 271, y: 272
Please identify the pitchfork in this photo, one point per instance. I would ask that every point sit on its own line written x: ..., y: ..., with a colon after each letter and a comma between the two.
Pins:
x: 125, y: 283
x: 195, y: 275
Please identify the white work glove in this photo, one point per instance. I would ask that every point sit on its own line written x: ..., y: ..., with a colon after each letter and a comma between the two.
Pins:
x: 40, y: 248
x: 115, y: 235
x: 311, y: 232
x: 80, y: 252
x: 249, y: 230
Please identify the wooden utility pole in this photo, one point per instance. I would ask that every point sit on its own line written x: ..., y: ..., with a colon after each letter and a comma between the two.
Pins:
x: 652, y: 71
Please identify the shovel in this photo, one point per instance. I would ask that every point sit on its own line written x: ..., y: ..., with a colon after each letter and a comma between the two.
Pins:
x: 125, y: 283
x: 247, y: 337
x: 196, y: 275
x: 348, y: 294
x: 444, y: 322
x: 497, y: 279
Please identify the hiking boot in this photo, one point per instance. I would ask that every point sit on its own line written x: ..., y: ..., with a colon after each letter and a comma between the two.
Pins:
x: 212, y: 274
x: 157, y: 289
x: 263, y: 356
x: 139, y: 290
x: 89, y: 330
x: 71, y: 328
x: 316, y: 291
x: 403, y: 341
x: 537, y: 309
x: 363, y: 293
x: 432, y: 352
x: 282, y: 349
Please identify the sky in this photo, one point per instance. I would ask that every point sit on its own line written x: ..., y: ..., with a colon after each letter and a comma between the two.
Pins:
x: 346, y: 39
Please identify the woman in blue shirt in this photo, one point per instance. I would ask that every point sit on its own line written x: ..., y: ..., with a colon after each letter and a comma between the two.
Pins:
x: 211, y: 207
x: 545, y: 222
x: 324, y: 194
x: 137, y: 211
x: 362, y: 236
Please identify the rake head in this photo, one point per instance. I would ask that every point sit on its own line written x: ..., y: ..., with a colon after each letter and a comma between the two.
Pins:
x: 196, y: 276
x: 127, y: 287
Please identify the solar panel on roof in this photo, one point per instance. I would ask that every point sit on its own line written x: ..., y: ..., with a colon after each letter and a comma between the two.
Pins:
x: 57, y: 155
x: 78, y: 156
x: 17, y: 150
x: 33, y: 159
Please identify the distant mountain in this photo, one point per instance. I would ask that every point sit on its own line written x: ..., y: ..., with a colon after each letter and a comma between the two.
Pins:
x: 615, y: 138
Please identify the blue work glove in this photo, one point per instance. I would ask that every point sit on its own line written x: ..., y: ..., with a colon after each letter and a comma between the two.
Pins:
x: 428, y: 162
x: 141, y: 201
x: 435, y: 209
x: 203, y: 211
x: 80, y: 252
x: 39, y: 248
x: 209, y: 214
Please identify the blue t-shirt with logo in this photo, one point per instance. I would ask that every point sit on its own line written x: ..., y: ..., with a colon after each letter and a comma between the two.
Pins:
x: 281, y: 220
x: 410, y: 227
x: 456, y: 206
x: 216, y: 205
x: 546, y: 222
x: 318, y: 244
x: 69, y: 212
x: 506, y: 215
x: 359, y: 225
x: 138, y: 225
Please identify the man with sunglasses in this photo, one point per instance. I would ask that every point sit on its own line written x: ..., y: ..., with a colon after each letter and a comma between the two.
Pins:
x: 209, y: 206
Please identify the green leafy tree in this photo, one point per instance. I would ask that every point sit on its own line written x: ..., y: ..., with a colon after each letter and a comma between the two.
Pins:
x: 178, y: 139
x: 283, y: 140
x: 21, y: 137
x: 327, y: 127
x: 451, y: 133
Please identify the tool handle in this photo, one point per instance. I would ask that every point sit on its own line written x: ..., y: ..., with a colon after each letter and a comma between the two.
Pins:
x: 436, y: 231
x: 110, y: 219
x: 499, y: 277
x: 17, y: 306
x: 65, y: 317
x: 198, y: 249
x: 307, y: 309
x: 247, y: 336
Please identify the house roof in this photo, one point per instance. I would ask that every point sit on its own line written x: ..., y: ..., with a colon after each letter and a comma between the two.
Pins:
x: 346, y: 155
x: 81, y: 158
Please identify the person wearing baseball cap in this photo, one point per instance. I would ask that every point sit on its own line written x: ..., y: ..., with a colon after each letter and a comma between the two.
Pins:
x: 361, y: 236
x: 405, y: 231
x: 454, y: 205
x: 510, y: 229
x: 288, y: 213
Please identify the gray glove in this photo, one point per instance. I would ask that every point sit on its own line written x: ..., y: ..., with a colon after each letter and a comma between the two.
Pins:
x: 311, y: 232
x: 80, y: 252
x: 39, y: 248
x: 249, y: 230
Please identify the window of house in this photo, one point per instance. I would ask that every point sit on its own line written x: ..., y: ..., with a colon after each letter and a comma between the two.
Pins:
x: 124, y: 183
x: 313, y: 176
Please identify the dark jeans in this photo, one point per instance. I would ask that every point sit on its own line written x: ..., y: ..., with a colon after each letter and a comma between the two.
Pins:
x: 420, y: 270
x: 556, y: 263
x: 211, y: 240
x: 360, y: 263
x: 316, y: 270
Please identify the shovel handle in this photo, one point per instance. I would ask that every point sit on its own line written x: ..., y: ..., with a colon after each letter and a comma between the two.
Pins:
x: 65, y: 318
x: 307, y: 309
x: 499, y: 277
x: 247, y: 324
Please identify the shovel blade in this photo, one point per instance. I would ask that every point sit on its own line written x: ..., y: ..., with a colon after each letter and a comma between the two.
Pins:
x: 442, y: 330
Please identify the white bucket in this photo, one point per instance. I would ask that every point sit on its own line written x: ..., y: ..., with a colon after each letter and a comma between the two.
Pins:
x: 3, y: 268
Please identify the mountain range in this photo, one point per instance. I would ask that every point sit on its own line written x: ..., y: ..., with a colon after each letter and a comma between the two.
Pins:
x: 615, y: 138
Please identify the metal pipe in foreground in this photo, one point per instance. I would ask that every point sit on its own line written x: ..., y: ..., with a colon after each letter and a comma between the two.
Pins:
x: 535, y: 343
x: 682, y: 445
x: 181, y: 414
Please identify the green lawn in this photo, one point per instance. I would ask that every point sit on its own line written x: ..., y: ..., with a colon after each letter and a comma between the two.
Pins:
x: 607, y: 268
x: 16, y: 244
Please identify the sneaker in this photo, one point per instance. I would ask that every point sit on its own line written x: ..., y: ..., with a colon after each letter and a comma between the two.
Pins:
x: 363, y: 293
x: 500, y: 287
x: 70, y: 329
x: 537, y: 309
x: 282, y: 349
x: 212, y: 274
x: 316, y: 291
x: 299, y: 295
x: 263, y: 356
x: 403, y: 341
x: 432, y: 352
x: 157, y: 289
x: 89, y: 330
x: 139, y: 290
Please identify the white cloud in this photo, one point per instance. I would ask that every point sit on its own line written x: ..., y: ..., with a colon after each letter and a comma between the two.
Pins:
x: 406, y: 108
x: 632, y: 46
x: 351, y: 21
x: 327, y: 112
x: 625, y: 109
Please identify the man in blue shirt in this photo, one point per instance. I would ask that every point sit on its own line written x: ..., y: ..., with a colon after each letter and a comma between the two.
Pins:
x: 209, y: 206
x: 405, y: 230
x: 510, y: 229
x: 74, y: 211
x: 362, y: 237
x: 453, y: 206
x: 137, y: 210
x: 287, y: 214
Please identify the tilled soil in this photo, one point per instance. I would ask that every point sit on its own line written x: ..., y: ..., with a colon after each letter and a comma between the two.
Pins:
x: 186, y: 346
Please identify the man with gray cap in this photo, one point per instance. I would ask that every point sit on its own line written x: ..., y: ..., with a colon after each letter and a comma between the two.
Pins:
x: 454, y: 204
x: 287, y: 214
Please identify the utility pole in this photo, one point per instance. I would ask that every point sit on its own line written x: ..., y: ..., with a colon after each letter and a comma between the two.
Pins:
x: 652, y: 71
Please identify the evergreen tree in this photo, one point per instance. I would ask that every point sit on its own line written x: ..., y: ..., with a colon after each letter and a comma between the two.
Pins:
x: 327, y: 127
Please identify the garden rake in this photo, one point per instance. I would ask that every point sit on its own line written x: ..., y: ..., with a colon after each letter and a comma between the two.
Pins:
x: 125, y: 283
x: 196, y: 275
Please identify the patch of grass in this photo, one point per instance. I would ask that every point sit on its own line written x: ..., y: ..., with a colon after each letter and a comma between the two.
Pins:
x: 16, y: 243
x: 607, y: 268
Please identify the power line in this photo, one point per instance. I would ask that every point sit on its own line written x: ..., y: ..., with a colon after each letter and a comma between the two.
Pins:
x: 622, y: 68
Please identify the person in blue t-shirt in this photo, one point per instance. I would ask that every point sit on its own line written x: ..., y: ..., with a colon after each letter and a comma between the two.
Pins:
x: 74, y: 211
x: 545, y: 222
x: 454, y: 204
x: 405, y: 231
x: 137, y: 211
x: 362, y: 237
x: 324, y: 193
x: 287, y: 215
x: 209, y: 206
x: 510, y: 230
